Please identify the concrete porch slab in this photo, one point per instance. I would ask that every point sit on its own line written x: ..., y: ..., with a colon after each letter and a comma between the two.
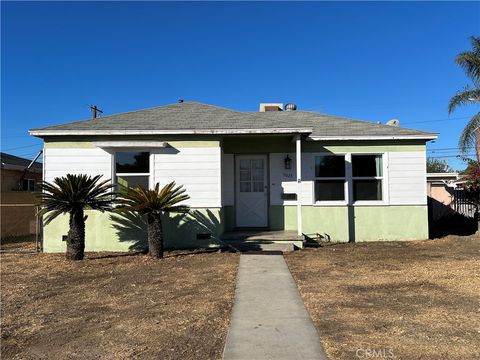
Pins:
x: 262, y: 235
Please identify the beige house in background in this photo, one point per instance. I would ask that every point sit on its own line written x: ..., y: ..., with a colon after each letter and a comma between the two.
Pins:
x: 440, y: 188
x: 17, y: 198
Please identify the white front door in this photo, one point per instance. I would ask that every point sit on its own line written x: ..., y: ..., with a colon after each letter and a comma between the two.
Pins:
x: 251, y: 193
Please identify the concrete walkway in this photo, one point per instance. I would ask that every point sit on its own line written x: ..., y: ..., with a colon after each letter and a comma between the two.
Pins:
x: 269, y: 319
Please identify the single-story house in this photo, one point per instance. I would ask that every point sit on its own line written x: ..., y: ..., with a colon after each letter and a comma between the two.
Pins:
x: 276, y: 169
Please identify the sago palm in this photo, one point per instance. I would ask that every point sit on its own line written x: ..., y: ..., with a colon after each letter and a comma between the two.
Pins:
x: 72, y: 194
x: 469, y: 61
x: 153, y: 203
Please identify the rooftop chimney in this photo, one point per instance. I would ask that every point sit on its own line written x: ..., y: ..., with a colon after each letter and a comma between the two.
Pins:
x: 264, y: 107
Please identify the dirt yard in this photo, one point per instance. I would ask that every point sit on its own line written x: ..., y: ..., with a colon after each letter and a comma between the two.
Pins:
x: 402, y: 300
x: 116, y: 307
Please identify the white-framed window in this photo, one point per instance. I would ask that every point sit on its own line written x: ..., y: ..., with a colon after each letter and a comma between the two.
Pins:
x: 330, y: 178
x: 132, y: 168
x: 28, y: 185
x: 367, y: 177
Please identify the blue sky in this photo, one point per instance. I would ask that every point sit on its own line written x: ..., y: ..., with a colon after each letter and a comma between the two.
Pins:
x: 372, y: 61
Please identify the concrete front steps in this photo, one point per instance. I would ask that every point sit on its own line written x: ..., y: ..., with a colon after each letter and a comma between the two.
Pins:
x: 261, y: 240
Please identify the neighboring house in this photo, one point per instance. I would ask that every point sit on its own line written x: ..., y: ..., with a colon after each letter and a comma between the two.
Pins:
x: 441, y: 190
x: 17, y: 200
x: 311, y: 173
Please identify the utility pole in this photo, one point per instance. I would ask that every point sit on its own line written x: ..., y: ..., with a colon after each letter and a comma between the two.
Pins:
x: 94, y: 109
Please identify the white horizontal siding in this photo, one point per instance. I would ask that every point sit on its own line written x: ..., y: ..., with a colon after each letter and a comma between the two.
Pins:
x: 407, y: 177
x: 285, y: 181
x: 197, y: 169
x: 90, y: 161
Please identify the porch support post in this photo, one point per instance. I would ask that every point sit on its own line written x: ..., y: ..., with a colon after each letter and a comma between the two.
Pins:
x: 298, y: 149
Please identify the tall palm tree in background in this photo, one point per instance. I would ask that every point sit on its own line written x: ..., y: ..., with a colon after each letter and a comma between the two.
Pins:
x: 469, y: 61
x: 153, y: 203
x: 72, y: 194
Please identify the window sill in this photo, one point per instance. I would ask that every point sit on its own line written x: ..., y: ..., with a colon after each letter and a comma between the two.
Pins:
x: 330, y: 203
x: 370, y: 203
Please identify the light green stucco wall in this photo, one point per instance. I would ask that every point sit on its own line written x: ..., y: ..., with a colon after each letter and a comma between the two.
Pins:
x: 112, y: 232
x: 361, y: 223
x: 391, y: 223
x: 229, y: 217
x: 342, y: 223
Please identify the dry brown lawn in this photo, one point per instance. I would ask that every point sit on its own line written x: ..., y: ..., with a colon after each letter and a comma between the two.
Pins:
x: 402, y: 300
x: 116, y: 307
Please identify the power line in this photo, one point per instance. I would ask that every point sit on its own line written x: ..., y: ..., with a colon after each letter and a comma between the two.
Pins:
x: 32, y: 153
x: 429, y: 121
x: 22, y: 147
x: 15, y: 136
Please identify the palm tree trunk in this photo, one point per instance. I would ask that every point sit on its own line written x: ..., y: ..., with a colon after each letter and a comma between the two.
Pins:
x: 155, y: 236
x: 76, y: 236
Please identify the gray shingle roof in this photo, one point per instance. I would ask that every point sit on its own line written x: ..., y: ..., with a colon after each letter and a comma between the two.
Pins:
x: 198, y: 116
x: 9, y: 161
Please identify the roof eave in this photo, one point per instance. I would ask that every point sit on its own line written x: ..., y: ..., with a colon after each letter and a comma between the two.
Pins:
x: 46, y: 132
x: 376, y: 137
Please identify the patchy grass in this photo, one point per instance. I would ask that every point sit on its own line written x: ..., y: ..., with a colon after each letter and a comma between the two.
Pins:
x: 412, y: 300
x: 110, y: 306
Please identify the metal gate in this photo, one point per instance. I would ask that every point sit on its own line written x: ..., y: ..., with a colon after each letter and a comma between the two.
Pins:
x: 463, y: 205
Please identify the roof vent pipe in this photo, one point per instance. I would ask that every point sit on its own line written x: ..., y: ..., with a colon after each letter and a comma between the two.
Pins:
x: 290, y: 107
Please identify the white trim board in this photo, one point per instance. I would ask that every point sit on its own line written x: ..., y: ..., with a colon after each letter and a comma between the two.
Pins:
x: 172, y: 132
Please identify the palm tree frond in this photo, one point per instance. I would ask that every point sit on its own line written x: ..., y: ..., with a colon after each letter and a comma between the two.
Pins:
x: 72, y: 192
x: 468, y: 138
x: 153, y: 201
x: 469, y: 61
x: 467, y: 96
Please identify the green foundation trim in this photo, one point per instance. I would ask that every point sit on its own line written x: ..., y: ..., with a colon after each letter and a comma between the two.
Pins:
x: 358, y: 223
x: 282, y: 217
x: 391, y: 223
x: 113, y: 232
x: 329, y: 221
x: 229, y: 216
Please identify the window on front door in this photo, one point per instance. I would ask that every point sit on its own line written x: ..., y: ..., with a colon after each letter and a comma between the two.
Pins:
x: 251, y: 175
x: 132, y: 168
